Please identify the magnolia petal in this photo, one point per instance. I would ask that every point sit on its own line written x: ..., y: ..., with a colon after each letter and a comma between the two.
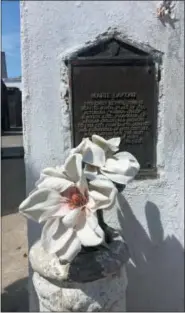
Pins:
x: 126, y: 155
x: 70, y: 250
x: 111, y: 199
x: 114, y: 166
x: 101, y: 182
x: 90, y: 171
x: 63, y: 210
x: 82, y: 184
x: 71, y: 218
x: 92, y: 220
x: 134, y: 164
x: 94, y: 155
x: 81, y: 147
x: 112, y: 144
x: 103, y: 201
x: 54, y: 171
x: 93, y: 223
x: 32, y: 191
x: 48, y: 214
x: 39, y: 181
x: 91, y: 205
x: 100, y: 233
x: 117, y: 178
x: 104, y: 187
x: 55, y: 235
x: 39, y: 202
x: 122, y: 168
x: 73, y: 167
x: 49, y: 229
x: 56, y: 183
x: 88, y: 231
x: 97, y: 196
x: 99, y: 141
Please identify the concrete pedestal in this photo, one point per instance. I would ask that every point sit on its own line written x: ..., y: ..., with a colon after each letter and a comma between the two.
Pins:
x: 95, y: 281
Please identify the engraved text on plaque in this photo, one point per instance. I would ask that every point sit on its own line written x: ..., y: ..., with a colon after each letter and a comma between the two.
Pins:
x: 116, y: 100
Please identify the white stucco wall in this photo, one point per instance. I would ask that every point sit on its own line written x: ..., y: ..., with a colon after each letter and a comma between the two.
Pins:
x: 152, y: 214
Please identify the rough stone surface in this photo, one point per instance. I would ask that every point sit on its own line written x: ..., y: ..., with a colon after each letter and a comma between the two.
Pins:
x: 152, y: 214
x: 103, y: 295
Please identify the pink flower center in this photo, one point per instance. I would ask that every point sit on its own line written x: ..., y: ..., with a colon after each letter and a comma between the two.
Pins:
x: 75, y: 198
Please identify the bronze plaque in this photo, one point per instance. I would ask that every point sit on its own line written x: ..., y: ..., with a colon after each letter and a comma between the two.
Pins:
x: 116, y: 98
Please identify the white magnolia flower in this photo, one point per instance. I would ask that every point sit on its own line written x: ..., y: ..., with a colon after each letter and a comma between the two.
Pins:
x: 63, y: 201
x: 121, y: 168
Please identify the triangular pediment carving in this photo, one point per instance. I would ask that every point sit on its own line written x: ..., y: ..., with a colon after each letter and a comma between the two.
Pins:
x: 111, y: 48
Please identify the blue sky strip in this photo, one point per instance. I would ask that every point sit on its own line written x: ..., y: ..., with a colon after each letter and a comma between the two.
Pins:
x: 11, y: 36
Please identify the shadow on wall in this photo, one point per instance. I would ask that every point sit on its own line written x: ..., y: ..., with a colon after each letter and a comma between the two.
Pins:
x: 156, y: 282
x: 15, y: 297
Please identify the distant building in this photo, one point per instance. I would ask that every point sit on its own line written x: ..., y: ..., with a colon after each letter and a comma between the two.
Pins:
x: 13, y: 82
x: 9, y: 82
x: 11, y: 108
x: 3, y: 65
x: 4, y: 108
x: 11, y: 101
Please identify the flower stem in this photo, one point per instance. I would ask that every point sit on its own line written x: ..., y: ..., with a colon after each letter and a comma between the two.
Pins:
x: 100, y: 218
x: 103, y: 225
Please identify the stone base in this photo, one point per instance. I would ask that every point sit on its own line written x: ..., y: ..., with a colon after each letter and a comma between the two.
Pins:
x: 95, y: 281
x: 107, y: 294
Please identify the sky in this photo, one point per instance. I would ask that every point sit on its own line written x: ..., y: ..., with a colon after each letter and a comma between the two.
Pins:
x: 11, y: 36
